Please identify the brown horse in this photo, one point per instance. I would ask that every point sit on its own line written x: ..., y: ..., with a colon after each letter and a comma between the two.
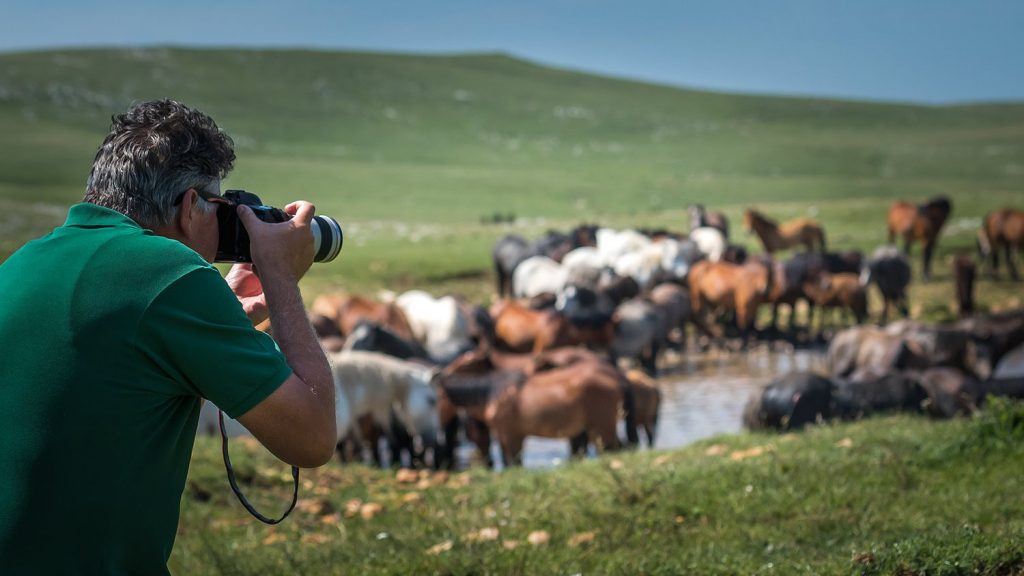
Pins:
x: 1002, y: 230
x: 518, y: 328
x: 740, y: 288
x: 579, y: 402
x: 841, y: 291
x: 923, y: 222
x: 799, y: 232
x: 347, y: 310
x: 579, y: 399
x: 646, y: 401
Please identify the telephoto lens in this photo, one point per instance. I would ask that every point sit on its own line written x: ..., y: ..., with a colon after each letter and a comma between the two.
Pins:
x: 327, y: 238
x: 233, y: 244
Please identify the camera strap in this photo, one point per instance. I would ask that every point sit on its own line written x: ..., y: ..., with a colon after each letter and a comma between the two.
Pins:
x: 234, y: 484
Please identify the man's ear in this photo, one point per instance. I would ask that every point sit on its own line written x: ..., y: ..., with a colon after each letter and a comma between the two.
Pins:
x: 185, y: 220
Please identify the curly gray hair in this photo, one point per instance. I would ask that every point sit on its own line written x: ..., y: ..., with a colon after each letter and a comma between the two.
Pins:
x: 154, y: 152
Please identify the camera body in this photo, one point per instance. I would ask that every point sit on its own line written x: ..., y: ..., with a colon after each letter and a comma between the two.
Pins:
x: 233, y: 243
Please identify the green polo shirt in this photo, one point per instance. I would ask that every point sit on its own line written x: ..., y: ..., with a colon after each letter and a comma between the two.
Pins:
x: 110, y: 335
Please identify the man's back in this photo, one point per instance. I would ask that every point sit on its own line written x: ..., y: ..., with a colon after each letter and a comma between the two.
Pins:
x: 99, y: 323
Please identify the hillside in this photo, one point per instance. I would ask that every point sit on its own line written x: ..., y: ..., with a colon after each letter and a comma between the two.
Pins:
x: 382, y: 139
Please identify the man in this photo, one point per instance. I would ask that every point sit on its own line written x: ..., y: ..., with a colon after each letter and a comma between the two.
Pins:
x: 112, y: 329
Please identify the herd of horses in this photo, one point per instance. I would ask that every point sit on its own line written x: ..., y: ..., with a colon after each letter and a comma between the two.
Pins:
x: 570, y: 345
x: 906, y: 366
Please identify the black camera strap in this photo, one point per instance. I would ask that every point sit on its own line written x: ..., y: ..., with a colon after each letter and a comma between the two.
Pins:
x: 234, y: 484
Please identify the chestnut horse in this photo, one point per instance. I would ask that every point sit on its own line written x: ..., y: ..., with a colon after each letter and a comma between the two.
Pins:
x: 800, y: 231
x: 741, y: 288
x: 346, y: 311
x: 922, y: 222
x: 518, y: 328
x: 1002, y: 230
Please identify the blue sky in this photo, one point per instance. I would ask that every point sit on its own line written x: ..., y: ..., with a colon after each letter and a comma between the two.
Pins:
x: 934, y: 51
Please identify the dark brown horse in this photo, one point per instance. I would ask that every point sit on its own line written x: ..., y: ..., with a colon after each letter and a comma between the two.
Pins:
x: 804, y: 232
x: 919, y: 222
x: 1002, y: 230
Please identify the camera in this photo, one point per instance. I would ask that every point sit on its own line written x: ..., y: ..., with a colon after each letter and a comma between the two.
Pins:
x: 233, y: 244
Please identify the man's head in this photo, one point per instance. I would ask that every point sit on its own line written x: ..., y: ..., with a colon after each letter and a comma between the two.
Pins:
x: 154, y: 153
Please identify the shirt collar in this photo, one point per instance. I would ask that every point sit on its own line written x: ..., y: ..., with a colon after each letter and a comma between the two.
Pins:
x: 89, y: 215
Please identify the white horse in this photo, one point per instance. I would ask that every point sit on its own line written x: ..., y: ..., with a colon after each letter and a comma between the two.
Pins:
x: 437, y: 323
x: 665, y: 259
x: 710, y: 241
x: 537, y: 275
x: 583, y: 267
x: 612, y: 244
x: 372, y: 384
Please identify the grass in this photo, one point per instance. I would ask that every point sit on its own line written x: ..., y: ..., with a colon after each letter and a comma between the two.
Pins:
x: 897, y: 495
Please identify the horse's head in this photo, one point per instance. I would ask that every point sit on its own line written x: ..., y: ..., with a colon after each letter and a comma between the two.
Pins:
x: 750, y: 218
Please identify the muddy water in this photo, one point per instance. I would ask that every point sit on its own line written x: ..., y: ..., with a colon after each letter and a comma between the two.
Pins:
x: 702, y: 395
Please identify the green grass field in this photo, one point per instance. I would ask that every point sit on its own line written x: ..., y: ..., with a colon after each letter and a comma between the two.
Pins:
x: 899, y: 495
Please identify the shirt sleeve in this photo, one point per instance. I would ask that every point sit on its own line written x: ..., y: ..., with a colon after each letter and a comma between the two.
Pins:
x: 196, y: 331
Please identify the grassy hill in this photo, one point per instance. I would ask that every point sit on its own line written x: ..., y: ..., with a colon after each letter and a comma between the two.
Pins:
x: 413, y: 152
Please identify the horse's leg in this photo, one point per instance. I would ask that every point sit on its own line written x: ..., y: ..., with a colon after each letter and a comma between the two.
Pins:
x: 607, y: 433
x: 480, y: 434
x: 649, y: 359
x: 994, y: 257
x: 650, y: 428
x: 512, y: 449
x: 903, y: 306
x: 929, y: 247
x: 775, y: 318
x: 501, y: 279
x: 444, y: 456
x: 401, y: 440
x: 1011, y: 255
x: 578, y: 444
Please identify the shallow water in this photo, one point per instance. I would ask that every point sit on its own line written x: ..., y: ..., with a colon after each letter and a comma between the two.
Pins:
x: 702, y: 395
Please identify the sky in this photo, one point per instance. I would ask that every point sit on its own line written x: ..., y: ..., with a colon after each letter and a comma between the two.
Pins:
x: 928, y: 51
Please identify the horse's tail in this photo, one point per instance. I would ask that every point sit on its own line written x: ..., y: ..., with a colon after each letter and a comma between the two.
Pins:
x: 629, y: 410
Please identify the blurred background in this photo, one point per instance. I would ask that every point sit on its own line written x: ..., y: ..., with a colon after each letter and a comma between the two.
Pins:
x: 431, y: 129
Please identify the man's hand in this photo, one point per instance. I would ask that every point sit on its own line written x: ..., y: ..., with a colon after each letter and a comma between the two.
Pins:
x: 282, y: 247
x: 249, y: 291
